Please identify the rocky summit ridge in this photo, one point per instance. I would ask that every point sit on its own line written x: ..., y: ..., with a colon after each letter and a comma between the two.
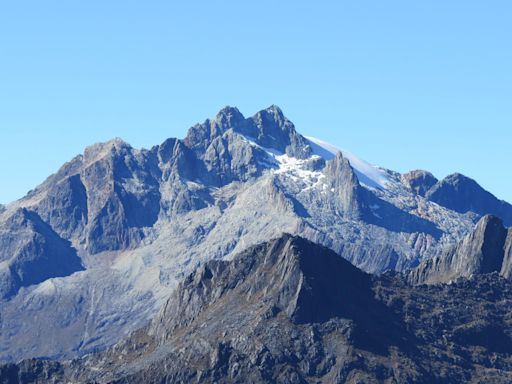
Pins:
x: 95, y: 251
x: 485, y: 250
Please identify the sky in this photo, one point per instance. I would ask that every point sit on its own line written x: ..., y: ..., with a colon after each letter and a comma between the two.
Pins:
x: 402, y: 84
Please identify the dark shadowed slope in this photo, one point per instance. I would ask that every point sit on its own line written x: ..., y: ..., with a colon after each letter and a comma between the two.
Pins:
x: 292, y: 311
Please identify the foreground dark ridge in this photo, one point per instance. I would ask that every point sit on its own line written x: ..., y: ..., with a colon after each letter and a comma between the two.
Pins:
x: 292, y: 311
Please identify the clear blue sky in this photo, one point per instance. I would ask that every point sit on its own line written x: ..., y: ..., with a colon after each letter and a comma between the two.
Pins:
x: 403, y: 84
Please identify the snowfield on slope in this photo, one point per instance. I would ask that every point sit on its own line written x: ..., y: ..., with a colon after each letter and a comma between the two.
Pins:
x: 368, y: 174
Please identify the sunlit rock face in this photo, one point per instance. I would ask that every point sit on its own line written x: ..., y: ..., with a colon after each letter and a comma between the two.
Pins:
x: 106, y: 239
x: 485, y: 250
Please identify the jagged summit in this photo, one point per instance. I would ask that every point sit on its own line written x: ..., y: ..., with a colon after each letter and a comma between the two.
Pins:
x: 482, y: 251
x: 419, y: 181
x: 344, y: 181
x: 457, y: 192
x: 96, y: 151
x: 268, y: 128
x: 463, y: 194
x: 308, y: 282
x: 230, y: 115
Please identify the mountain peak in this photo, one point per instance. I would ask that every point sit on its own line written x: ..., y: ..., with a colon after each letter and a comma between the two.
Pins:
x: 343, y: 181
x: 481, y: 251
x: 268, y: 128
x: 463, y: 194
x: 419, y: 181
x: 99, y: 150
x: 275, y: 110
x: 228, y: 109
x: 457, y: 176
x: 306, y: 281
x: 490, y: 221
x: 229, y: 117
x: 272, y: 114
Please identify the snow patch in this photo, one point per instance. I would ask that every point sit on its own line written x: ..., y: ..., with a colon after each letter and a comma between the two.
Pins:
x: 369, y: 175
x: 294, y: 168
x: 291, y: 166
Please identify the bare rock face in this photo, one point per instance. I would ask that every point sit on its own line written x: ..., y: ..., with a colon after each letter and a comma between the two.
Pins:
x: 32, y: 371
x: 123, y: 194
x: 65, y: 208
x: 463, y: 194
x: 179, y: 164
x: 506, y: 268
x: 419, y: 181
x: 272, y: 129
x: 31, y: 252
x: 343, y: 180
x: 224, y: 156
x: 480, y: 252
x: 457, y: 192
x: 308, y: 282
x: 294, y: 312
x: 102, y: 200
x: 269, y: 128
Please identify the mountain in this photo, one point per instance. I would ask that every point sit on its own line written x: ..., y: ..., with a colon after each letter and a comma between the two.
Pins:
x: 419, y: 181
x: 485, y: 250
x: 292, y: 311
x: 117, y: 228
x: 458, y: 193
x: 462, y: 194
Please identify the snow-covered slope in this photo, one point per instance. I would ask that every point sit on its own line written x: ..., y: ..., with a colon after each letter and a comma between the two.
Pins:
x: 368, y: 174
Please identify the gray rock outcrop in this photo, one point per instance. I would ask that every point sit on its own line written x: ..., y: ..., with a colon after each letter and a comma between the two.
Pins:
x: 103, y: 199
x: 269, y: 128
x: 506, y: 268
x: 225, y: 156
x: 482, y: 251
x: 419, y: 181
x: 462, y: 194
x: 31, y: 252
x: 344, y: 182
